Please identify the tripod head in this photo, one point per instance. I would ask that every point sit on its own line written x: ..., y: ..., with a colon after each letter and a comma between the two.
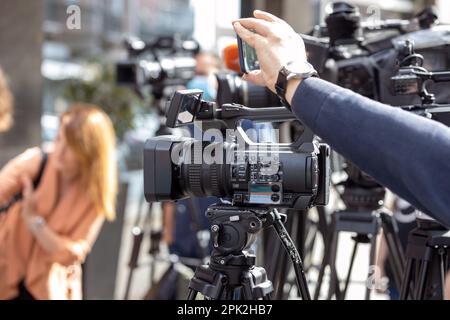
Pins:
x: 232, y: 267
x: 234, y: 231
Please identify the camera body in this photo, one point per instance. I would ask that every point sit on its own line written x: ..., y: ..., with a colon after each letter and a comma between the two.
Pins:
x: 159, y: 64
x: 233, y: 89
x: 362, y: 55
x: 245, y: 173
x: 366, y: 57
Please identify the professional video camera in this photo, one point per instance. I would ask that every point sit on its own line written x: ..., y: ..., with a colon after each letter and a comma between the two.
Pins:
x: 247, y: 173
x: 377, y: 59
x: 430, y: 240
x: 166, y: 62
x: 412, y: 78
x: 253, y: 179
x: 362, y: 56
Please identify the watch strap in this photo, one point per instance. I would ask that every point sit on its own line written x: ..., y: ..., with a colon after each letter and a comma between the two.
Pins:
x: 281, y: 86
x: 284, y: 75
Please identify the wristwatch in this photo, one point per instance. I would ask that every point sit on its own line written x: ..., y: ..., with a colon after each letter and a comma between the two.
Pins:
x: 292, y: 70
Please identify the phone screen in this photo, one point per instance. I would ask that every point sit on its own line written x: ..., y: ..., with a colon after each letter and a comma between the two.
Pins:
x: 248, y: 59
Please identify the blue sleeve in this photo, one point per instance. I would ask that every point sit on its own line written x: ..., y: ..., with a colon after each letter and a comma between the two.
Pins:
x: 406, y: 153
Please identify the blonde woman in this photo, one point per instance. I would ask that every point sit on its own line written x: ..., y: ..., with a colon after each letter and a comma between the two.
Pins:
x: 6, y: 104
x: 45, y: 237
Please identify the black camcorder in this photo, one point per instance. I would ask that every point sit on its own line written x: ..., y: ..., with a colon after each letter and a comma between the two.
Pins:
x: 231, y: 166
x: 367, y: 57
x: 362, y: 55
x: 162, y: 63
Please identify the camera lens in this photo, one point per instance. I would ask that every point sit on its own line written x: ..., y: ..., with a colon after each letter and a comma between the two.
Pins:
x: 232, y: 89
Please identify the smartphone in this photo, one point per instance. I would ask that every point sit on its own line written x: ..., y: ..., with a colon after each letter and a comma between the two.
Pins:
x: 248, y: 60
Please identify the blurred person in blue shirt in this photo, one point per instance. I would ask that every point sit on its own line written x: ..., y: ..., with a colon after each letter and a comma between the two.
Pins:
x: 208, y: 64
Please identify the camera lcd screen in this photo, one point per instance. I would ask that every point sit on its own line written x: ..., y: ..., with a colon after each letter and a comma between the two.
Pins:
x: 188, y: 109
x: 182, y: 108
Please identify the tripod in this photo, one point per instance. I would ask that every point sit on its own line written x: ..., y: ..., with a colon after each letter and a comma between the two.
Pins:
x: 143, y: 219
x: 366, y: 218
x: 304, y: 233
x: 231, y: 273
x: 427, y: 261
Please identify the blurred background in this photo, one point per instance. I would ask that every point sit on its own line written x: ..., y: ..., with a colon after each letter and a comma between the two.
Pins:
x: 51, y: 62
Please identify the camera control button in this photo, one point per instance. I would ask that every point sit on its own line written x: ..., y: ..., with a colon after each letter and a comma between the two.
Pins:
x: 276, y: 188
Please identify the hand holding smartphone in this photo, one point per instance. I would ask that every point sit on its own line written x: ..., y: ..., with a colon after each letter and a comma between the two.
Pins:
x: 248, y: 60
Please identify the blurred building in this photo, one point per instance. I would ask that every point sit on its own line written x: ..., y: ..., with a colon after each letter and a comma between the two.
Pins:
x: 21, y: 40
x: 104, y: 27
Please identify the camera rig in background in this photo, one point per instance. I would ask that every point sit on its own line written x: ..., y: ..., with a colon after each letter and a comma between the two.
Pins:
x: 159, y: 65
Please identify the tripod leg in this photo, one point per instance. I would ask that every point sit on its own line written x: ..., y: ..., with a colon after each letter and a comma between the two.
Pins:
x: 297, y: 263
x: 138, y: 236
x: 333, y: 272
x: 273, y: 247
x: 283, y: 261
x: 279, y: 259
x: 442, y: 270
x: 192, y: 294
x: 324, y: 230
x: 396, y: 254
x: 271, y: 252
x: 281, y: 275
x: 325, y: 263
x: 372, y: 259
x: 349, y: 273
x: 310, y: 246
x: 300, y: 237
x: 311, y: 233
x: 229, y: 294
x: 446, y: 259
x: 407, y: 276
x: 420, y: 290
x: 321, y: 274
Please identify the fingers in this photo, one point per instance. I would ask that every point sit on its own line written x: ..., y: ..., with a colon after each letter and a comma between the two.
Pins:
x: 248, y: 36
x: 261, y: 27
x: 265, y: 16
x: 255, y: 77
x: 27, y: 187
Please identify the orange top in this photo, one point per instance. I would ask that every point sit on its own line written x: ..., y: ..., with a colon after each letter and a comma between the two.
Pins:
x: 46, y: 276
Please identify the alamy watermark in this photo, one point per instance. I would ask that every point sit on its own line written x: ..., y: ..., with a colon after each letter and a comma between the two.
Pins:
x: 73, y: 21
x: 231, y: 148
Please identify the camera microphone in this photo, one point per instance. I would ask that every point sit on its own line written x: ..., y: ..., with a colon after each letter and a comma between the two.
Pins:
x: 231, y: 57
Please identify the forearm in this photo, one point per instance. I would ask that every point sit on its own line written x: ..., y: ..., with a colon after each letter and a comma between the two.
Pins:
x: 59, y: 248
x: 48, y: 239
x: 404, y: 152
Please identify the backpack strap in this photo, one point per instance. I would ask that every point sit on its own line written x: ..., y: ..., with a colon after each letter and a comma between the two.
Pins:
x: 36, y: 182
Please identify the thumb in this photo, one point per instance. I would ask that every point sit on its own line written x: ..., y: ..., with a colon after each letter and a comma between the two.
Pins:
x: 27, y: 188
